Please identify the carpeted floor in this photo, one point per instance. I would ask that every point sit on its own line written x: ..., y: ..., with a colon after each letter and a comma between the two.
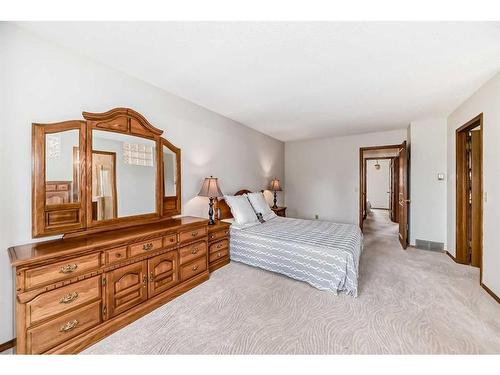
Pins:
x: 411, y: 301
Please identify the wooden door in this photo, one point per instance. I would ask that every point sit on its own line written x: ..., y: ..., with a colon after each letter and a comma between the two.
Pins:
x: 362, y: 189
x: 395, y: 189
x: 126, y: 288
x: 163, y: 272
x: 403, y: 195
x: 476, y: 200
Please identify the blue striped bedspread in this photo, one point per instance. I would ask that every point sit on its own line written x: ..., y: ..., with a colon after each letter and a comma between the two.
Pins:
x: 321, y: 253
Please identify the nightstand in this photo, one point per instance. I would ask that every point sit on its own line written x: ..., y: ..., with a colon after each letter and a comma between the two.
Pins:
x: 280, y: 211
x: 218, y: 245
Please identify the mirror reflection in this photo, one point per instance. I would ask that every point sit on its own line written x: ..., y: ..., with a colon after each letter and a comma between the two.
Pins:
x: 123, y: 175
x: 169, y: 172
x: 62, y: 165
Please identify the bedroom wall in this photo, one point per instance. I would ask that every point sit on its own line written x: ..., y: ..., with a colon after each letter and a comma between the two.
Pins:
x: 486, y: 100
x: 45, y: 83
x: 427, y: 193
x: 378, y: 183
x: 322, y: 175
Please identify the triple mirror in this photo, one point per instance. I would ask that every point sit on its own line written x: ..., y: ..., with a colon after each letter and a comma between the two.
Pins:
x: 112, y: 170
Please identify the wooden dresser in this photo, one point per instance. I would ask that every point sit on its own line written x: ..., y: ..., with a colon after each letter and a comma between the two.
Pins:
x: 70, y: 293
x: 218, y: 245
x: 112, y: 268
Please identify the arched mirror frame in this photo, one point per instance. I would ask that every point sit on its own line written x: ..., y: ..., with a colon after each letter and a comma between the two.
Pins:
x: 76, y: 218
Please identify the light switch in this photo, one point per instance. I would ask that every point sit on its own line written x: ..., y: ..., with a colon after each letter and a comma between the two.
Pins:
x: 440, y: 176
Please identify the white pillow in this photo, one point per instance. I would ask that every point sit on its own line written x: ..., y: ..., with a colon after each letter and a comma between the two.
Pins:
x: 237, y: 226
x: 241, y: 209
x: 259, y: 204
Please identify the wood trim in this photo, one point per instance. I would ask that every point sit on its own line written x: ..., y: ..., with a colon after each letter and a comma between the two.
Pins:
x: 371, y: 148
x: 382, y: 158
x: 451, y: 256
x: 490, y: 292
x: 116, y: 112
x: 7, y: 345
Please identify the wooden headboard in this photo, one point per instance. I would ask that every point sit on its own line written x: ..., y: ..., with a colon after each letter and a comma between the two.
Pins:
x: 225, y: 211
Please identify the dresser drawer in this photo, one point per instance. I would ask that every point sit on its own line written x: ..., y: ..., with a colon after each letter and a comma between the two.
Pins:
x: 58, y: 330
x: 193, y: 251
x: 145, y: 246
x: 192, y: 235
x: 218, y: 255
x: 218, y: 246
x: 217, y: 235
x: 170, y: 240
x: 57, y: 301
x: 194, y: 268
x: 61, y: 270
x: 115, y: 255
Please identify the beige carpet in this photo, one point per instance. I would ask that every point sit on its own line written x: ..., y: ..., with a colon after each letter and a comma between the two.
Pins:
x: 411, y: 301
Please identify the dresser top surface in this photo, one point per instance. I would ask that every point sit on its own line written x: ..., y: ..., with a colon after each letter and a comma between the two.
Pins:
x: 219, y: 225
x: 23, y: 255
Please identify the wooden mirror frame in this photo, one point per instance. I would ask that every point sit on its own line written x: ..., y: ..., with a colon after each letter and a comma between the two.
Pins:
x: 171, y: 204
x: 76, y: 218
x: 55, y: 218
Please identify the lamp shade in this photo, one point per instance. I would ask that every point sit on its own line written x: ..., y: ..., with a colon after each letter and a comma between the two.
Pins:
x: 210, y: 188
x: 275, y: 185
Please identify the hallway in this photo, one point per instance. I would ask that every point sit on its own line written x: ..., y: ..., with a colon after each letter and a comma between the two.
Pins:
x: 378, y: 223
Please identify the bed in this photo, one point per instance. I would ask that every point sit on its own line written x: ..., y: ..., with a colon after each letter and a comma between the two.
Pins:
x: 322, y: 253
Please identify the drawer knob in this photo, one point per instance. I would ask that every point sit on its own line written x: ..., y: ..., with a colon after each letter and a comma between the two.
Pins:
x: 172, y: 239
x: 68, y: 298
x: 212, y: 236
x: 195, y: 267
x: 194, y: 234
x: 68, y: 326
x: 118, y: 255
x: 68, y: 268
x: 218, y: 255
x: 147, y: 246
x: 194, y: 251
x: 219, y: 246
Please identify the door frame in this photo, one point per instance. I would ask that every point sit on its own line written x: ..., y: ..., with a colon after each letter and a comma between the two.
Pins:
x: 113, y: 175
x: 460, y: 189
x: 390, y: 173
x: 362, y: 177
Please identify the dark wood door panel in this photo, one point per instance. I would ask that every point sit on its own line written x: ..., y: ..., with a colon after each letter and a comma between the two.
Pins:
x: 163, y: 272
x: 126, y: 288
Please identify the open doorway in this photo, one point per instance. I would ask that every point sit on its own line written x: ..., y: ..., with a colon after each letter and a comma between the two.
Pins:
x: 383, y: 193
x: 469, y: 190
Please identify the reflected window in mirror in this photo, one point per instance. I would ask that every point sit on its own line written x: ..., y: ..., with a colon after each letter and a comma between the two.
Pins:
x: 62, y: 163
x: 169, y: 172
x: 123, y: 175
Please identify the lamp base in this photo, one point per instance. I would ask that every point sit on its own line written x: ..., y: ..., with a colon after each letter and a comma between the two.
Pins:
x: 211, y: 220
x: 275, y: 200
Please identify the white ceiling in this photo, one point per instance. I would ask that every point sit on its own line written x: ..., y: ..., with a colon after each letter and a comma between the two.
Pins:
x: 298, y: 80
